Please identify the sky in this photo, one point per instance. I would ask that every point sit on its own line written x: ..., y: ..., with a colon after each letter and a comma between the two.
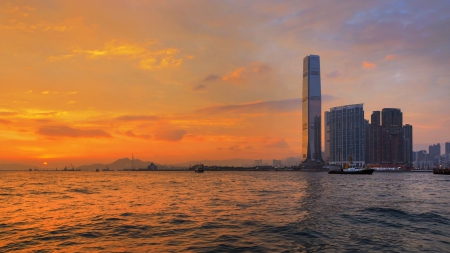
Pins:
x: 174, y: 81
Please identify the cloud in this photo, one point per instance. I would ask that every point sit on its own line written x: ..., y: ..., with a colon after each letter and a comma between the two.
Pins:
x: 328, y: 98
x: 211, y: 78
x: 369, y: 65
x: 7, y: 114
x: 140, y: 136
x: 137, y: 118
x: 288, y: 105
x: 148, y: 59
x: 333, y: 74
x: 199, y: 87
x: 234, y: 148
x: 65, y: 131
x: 170, y: 135
x: 278, y: 144
x: 260, y: 67
x: 390, y: 57
x: 240, y: 74
x: 5, y: 122
x: 235, y: 76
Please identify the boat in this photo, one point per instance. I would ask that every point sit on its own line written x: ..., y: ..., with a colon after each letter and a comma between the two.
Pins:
x: 199, y: 168
x: 351, y: 168
x: 445, y: 171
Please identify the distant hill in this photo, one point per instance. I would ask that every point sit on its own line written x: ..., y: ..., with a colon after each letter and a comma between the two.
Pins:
x: 120, y: 164
x: 125, y: 163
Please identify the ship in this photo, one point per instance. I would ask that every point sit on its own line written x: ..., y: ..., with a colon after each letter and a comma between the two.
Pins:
x: 199, y: 168
x: 351, y: 168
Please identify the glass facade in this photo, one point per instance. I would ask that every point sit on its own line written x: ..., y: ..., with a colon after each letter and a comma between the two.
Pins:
x: 311, y: 110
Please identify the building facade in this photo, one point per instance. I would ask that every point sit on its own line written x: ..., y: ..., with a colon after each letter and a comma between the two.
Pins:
x: 346, y: 137
x: 392, y: 136
x: 375, y: 138
x: 408, y: 143
x: 311, y: 110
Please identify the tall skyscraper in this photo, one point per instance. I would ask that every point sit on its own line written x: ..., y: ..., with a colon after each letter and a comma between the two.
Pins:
x: 447, y: 147
x: 392, y: 136
x: 312, y: 110
x: 408, y: 143
x: 375, y: 138
x: 347, y: 130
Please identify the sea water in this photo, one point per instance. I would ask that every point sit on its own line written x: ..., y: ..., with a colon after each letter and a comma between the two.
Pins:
x: 284, y: 211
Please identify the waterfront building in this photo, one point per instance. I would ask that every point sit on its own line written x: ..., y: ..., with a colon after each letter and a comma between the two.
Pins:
x: 311, y: 110
x: 408, y: 143
x: 435, y: 152
x: 277, y: 163
x: 346, y: 134
x: 447, y: 147
x: 375, y: 137
x: 367, y: 141
x: 327, y: 124
x: 392, y: 136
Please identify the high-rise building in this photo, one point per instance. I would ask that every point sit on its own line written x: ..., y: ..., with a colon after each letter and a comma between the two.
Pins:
x: 346, y: 137
x: 392, y: 136
x: 327, y: 157
x: 434, y: 150
x: 312, y: 110
x: 447, y: 147
x: 375, y: 138
x: 367, y: 141
x: 407, y: 143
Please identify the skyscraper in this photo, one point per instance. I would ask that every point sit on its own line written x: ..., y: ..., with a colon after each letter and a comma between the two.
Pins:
x: 312, y: 110
x: 392, y: 136
x: 447, y: 147
x: 347, y: 130
x: 408, y: 143
x: 375, y: 138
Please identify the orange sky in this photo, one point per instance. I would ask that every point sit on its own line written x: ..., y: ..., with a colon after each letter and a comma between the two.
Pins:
x: 174, y: 81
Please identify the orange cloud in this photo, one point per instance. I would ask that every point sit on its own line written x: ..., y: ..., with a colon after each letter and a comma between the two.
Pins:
x: 369, y: 65
x: 140, y: 136
x: 260, y: 67
x: 65, y: 131
x: 137, y: 118
x: 390, y: 57
x: 4, y: 121
x: 150, y: 60
x: 235, y: 76
x: 170, y: 135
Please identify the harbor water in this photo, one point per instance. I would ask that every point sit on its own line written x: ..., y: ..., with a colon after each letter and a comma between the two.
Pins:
x: 288, y: 211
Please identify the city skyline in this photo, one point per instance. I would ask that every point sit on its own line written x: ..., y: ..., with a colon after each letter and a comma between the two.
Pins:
x: 85, y: 82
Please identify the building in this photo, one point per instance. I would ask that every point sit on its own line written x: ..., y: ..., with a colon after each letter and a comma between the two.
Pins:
x: 447, y: 147
x: 347, y: 130
x: 327, y: 156
x: 434, y: 152
x: 311, y: 111
x: 408, y: 143
x: 392, y: 136
x: 375, y: 138
x: 258, y: 162
x: 277, y: 163
x: 366, y: 141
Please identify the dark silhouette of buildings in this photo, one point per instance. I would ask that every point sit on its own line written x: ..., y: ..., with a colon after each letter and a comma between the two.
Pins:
x: 375, y: 138
x: 408, y: 143
x: 389, y: 141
